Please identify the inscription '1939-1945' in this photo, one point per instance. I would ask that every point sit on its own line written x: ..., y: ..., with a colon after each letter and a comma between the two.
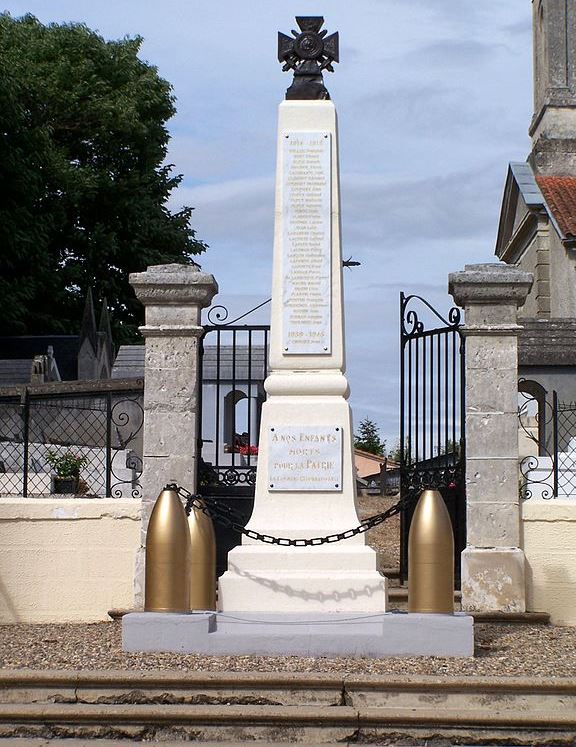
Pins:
x: 305, y: 458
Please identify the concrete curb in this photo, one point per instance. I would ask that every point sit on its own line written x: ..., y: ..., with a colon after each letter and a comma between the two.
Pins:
x: 107, y: 677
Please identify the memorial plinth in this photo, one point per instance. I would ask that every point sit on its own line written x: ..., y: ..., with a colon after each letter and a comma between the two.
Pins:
x: 327, y: 599
x: 305, y: 485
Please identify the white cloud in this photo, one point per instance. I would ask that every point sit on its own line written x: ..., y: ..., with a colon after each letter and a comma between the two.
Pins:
x: 433, y: 97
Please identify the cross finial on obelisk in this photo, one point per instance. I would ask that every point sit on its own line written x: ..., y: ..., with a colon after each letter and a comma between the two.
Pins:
x: 308, y: 54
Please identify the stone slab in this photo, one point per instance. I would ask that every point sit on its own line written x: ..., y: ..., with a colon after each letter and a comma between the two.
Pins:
x: 339, y: 635
x: 493, y: 579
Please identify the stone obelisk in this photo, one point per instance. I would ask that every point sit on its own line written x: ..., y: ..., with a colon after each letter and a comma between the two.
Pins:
x: 305, y: 484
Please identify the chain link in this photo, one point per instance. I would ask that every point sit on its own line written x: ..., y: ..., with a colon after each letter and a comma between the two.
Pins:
x: 228, y: 517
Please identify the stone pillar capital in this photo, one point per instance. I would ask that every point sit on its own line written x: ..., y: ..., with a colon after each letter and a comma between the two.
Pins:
x: 174, y: 284
x: 174, y: 296
x: 490, y: 284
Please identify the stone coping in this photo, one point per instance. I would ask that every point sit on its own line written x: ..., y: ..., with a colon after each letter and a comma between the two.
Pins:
x: 161, y: 678
x: 68, y: 507
x: 551, y: 510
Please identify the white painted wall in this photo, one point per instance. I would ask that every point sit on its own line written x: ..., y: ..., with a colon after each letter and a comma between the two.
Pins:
x: 66, y: 560
x: 549, y: 538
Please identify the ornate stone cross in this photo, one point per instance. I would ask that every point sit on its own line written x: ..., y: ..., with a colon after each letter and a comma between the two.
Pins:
x: 308, y: 54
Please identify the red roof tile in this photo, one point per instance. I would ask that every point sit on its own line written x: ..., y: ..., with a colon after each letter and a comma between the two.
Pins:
x: 560, y: 195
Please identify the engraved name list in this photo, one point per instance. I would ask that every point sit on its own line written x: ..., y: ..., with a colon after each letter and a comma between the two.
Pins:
x: 306, y: 244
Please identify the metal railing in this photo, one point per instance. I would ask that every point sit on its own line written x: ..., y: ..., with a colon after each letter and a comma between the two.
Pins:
x: 99, y: 423
x: 548, y: 429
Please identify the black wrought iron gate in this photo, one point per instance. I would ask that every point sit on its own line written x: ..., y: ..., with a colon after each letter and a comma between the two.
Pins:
x: 234, y: 366
x: 432, y: 432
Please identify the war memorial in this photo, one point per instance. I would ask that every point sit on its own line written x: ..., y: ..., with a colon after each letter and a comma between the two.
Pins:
x: 114, y: 624
x: 303, y: 581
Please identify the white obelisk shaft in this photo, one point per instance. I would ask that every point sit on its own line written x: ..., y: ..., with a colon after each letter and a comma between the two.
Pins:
x: 305, y: 483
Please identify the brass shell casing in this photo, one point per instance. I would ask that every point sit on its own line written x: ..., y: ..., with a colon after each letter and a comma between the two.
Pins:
x: 431, y: 557
x: 203, y: 561
x: 168, y: 556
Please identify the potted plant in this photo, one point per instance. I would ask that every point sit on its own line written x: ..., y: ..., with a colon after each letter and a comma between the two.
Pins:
x: 67, y: 466
x: 249, y: 454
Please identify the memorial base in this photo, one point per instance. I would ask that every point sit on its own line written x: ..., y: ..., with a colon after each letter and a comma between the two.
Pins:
x: 337, y: 635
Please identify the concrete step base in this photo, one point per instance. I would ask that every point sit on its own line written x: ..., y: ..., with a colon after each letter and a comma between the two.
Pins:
x: 319, y: 634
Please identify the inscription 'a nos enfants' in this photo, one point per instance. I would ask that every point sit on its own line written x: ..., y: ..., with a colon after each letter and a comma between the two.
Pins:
x: 322, y: 438
x: 305, y: 457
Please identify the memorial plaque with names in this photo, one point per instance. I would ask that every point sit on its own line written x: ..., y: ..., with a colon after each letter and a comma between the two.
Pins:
x: 306, y: 457
x: 306, y: 244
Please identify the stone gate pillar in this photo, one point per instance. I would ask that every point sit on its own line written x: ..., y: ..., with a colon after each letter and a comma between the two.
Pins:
x: 174, y: 296
x: 493, y: 561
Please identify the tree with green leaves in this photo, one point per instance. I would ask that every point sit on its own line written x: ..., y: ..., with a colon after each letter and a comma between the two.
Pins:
x: 396, y: 453
x: 368, y: 438
x: 84, y: 185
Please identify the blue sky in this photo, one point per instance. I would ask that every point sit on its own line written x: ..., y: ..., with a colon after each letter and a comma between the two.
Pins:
x: 434, y: 98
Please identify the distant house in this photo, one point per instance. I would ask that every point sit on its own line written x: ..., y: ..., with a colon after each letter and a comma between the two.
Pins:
x: 376, y: 474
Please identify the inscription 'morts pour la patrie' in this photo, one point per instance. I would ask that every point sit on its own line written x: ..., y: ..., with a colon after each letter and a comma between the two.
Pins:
x: 305, y: 458
x: 306, y: 244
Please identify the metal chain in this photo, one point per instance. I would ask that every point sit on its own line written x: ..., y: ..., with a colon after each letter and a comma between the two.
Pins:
x: 226, y: 516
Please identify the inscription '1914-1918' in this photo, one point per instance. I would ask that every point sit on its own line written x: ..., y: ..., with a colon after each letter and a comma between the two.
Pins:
x: 305, y: 458
x: 306, y: 244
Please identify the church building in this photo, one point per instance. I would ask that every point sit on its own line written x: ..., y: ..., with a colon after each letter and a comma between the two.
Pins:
x: 537, y: 230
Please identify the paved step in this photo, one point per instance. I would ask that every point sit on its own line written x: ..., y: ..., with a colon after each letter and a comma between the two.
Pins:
x: 96, y: 742
x: 401, y: 592
x: 289, y: 707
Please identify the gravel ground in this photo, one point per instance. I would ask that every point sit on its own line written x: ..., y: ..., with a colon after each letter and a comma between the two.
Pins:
x: 385, y: 538
x: 501, y: 649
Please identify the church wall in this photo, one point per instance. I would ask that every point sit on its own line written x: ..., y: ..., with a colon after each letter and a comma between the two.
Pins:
x: 563, y: 278
x: 553, y: 294
x: 561, y: 379
x: 528, y: 263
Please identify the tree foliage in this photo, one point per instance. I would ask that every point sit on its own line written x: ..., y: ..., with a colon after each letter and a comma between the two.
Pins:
x: 368, y: 438
x: 396, y: 454
x: 83, y: 182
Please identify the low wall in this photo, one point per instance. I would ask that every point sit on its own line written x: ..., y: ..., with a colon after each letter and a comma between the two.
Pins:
x: 66, y: 559
x: 549, y: 535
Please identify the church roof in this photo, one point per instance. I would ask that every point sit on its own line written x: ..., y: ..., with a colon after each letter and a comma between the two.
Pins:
x: 552, y: 194
x: 239, y: 362
x: 26, y: 347
x: 560, y: 195
x: 15, y: 371
x: 547, y: 342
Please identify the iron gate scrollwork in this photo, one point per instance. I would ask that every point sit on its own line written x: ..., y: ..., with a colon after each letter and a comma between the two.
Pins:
x: 432, y: 431
x: 547, y: 443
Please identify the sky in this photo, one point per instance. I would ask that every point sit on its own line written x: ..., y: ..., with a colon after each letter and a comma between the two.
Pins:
x: 434, y: 99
